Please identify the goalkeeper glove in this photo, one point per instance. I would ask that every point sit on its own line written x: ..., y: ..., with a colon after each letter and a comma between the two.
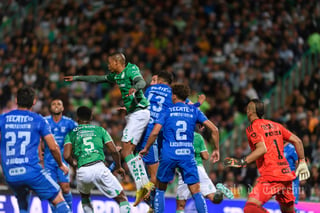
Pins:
x: 233, y: 162
x: 302, y: 171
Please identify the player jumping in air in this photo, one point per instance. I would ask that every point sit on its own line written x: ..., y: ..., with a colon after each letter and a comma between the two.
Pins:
x: 131, y: 83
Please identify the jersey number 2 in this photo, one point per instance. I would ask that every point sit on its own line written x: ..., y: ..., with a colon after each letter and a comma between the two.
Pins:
x: 181, y: 131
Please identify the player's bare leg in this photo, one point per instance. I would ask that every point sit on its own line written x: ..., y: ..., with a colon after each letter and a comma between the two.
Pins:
x: 198, y: 198
x: 65, y: 188
x: 60, y: 204
x: 180, y: 205
x: 152, y: 170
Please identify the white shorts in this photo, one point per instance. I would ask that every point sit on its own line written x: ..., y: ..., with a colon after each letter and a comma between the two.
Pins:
x: 206, y: 185
x: 100, y: 176
x: 136, y: 124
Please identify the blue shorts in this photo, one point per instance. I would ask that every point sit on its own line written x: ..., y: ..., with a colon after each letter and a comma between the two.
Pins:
x: 41, y: 183
x: 187, y: 167
x: 153, y: 156
x: 56, y: 173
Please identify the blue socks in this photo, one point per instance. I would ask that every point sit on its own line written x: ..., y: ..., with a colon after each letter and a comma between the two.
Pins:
x: 68, y: 199
x: 159, y: 201
x: 62, y: 207
x: 201, y: 204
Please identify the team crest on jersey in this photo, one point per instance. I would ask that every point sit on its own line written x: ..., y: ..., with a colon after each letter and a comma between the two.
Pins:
x: 63, y: 129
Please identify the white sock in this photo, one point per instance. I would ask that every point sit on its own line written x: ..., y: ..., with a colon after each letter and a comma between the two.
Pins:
x: 142, y: 170
x: 87, y: 209
x: 125, y: 207
x: 134, y: 170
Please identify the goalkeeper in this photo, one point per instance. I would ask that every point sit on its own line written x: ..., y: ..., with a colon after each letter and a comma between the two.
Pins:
x: 266, y: 142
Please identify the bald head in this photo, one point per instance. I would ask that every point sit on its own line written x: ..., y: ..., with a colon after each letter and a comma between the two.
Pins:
x: 118, y: 57
x: 116, y: 62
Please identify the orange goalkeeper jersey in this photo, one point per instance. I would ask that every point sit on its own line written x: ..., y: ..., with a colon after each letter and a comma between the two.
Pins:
x: 272, y: 166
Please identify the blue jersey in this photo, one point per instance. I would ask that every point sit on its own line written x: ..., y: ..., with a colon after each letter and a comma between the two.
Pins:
x: 291, y: 155
x: 160, y: 97
x: 178, y: 125
x: 20, y: 137
x: 59, y: 130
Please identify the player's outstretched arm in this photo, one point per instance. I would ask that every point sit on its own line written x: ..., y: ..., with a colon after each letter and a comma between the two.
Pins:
x: 215, y: 156
x: 257, y: 153
x: 55, y: 151
x: 153, y: 136
x: 87, y: 78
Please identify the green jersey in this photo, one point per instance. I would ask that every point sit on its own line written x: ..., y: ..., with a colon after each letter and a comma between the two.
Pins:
x: 199, y: 146
x: 125, y: 82
x: 87, y: 143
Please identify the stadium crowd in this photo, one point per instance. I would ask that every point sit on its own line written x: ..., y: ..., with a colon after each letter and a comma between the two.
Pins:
x: 232, y: 51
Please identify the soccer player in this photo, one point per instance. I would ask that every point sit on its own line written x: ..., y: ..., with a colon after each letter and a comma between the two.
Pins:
x: 266, y: 142
x: 86, y: 144
x: 159, y: 95
x: 21, y: 131
x: 292, y: 157
x: 207, y: 188
x: 178, y: 123
x: 131, y: 83
x: 60, y: 125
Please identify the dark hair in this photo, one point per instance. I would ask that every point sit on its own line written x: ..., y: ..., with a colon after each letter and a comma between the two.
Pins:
x: 259, y: 107
x: 166, y: 76
x: 118, y: 56
x: 25, y: 97
x: 182, y: 91
x: 84, y: 113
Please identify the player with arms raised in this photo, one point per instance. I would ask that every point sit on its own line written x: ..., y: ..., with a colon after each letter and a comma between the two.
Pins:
x: 266, y: 142
x: 131, y: 83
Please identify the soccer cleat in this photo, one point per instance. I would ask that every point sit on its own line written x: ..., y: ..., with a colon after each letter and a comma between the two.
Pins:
x: 218, y: 197
x: 143, y: 192
x: 227, y: 192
